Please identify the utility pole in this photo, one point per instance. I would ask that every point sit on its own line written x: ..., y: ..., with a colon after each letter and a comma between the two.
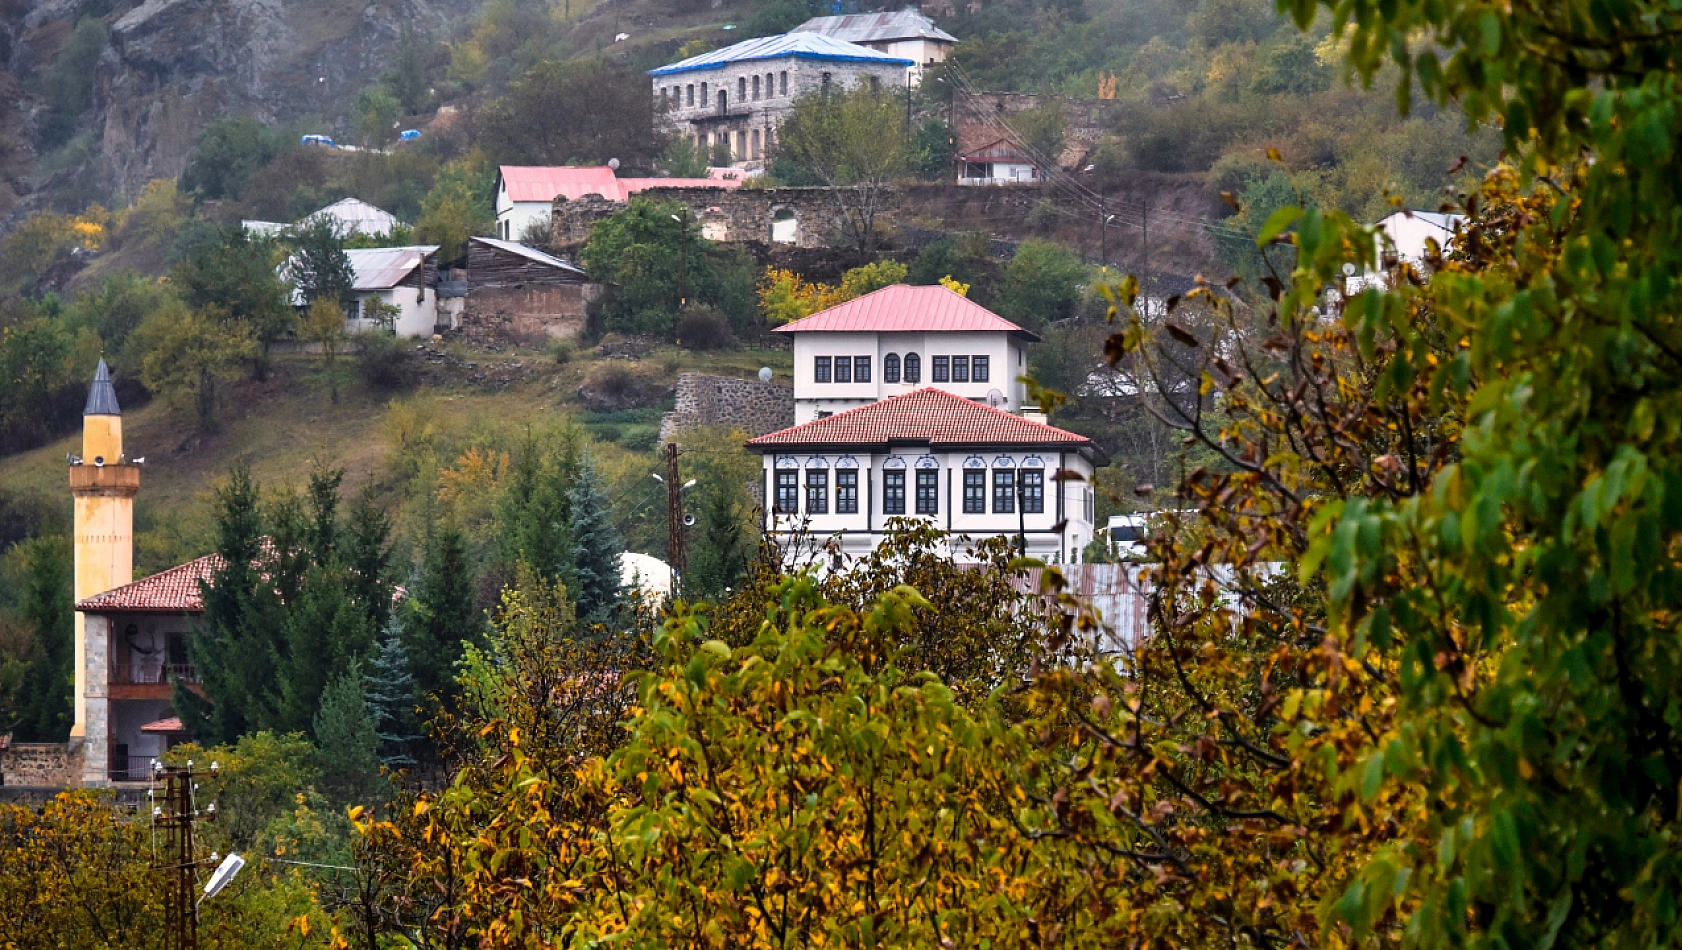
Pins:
x: 683, y: 262
x: 178, y: 861
x: 674, y: 515
x: 1104, y: 232
x: 1145, y: 236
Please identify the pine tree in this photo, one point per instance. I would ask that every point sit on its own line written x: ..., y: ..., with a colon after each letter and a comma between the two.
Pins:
x: 324, y: 630
x: 45, y: 710
x: 346, y: 743
x: 391, y: 698
x: 722, y: 549
x: 595, y: 547
x: 367, y: 553
x: 533, y: 516
x: 442, y: 612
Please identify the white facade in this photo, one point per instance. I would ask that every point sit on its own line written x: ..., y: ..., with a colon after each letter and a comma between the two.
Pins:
x: 885, y: 355
x: 417, y: 311
x: 514, y: 217
x: 998, y: 173
x: 1406, y: 235
x: 972, y: 493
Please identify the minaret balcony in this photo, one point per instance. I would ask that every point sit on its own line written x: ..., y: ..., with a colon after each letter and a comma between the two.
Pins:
x: 116, y: 480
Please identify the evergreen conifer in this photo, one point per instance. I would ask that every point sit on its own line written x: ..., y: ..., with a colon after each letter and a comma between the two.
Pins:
x: 324, y: 630
x: 391, y: 699
x: 442, y: 612
x: 595, y: 547
x: 721, y: 550
x: 367, y: 553
x: 45, y: 708
x: 345, y: 739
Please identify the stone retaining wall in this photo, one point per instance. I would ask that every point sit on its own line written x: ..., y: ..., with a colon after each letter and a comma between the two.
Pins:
x: 730, y: 215
x: 747, y: 404
x: 37, y: 765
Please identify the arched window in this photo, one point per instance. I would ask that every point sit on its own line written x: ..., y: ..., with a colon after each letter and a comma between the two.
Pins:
x: 890, y: 368
x: 703, y: 95
x: 755, y: 143
x: 782, y: 83
x: 756, y: 88
x: 913, y: 368
x: 742, y: 89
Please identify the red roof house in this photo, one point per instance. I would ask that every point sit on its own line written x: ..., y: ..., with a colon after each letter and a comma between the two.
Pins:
x: 903, y: 308
x: 931, y: 417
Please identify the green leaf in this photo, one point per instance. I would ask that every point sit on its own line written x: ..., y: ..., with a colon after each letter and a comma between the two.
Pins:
x: 1277, y: 222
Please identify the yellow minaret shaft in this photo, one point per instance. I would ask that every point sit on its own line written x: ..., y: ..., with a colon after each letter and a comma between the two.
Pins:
x: 104, y: 486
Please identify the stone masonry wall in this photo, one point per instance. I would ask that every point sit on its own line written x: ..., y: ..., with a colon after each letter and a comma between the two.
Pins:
x: 742, y: 214
x: 37, y: 765
x: 747, y: 404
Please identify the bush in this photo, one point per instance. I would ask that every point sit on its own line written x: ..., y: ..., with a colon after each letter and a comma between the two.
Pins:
x: 385, y: 361
x: 562, y: 351
x: 704, y: 330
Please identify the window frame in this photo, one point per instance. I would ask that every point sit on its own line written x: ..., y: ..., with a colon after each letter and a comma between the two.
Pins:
x: 820, y: 369
x: 817, y: 491
x: 975, y: 491
x: 861, y: 369
x: 960, y: 369
x: 1004, y: 491
x: 787, y: 487
x: 1033, y: 491
x: 980, y: 369
x: 940, y: 369
x: 913, y: 368
x: 846, y: 491
x: 843, y: 369
x: 893, y: 492
x: 928, y: 491
x: 890, y: 368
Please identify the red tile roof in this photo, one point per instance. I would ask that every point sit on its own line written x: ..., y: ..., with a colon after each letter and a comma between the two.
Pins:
x: 929, y: 416
x: 906, y: 309
x: 544, y: 183
x: 173, y: 591
x: 168, y: 726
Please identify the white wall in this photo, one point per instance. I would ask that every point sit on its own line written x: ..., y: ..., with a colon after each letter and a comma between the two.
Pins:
x: 513, y: 217
x: 417, y: 311
x: 1006, y: 362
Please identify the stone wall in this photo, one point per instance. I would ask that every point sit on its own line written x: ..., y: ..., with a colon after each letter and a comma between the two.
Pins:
x: 747, y: 404
x: 733, y: 215
x: 37, y: 765
x: 528, y: 314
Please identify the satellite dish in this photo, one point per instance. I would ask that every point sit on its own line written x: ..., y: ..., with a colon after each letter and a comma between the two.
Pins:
x: 225, y: 872
x: 995, y: 398
x: 613, y: 163
x: 689, y: 521
x: 765, y: 374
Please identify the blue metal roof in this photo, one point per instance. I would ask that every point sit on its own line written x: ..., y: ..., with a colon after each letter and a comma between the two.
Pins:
x: 787, y: 45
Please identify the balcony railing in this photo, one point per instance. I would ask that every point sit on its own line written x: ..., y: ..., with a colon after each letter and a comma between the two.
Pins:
x: 162, y: 673
x: 132, y: 768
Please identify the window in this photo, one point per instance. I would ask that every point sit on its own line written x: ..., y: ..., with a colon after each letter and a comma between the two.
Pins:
x: 826, y: 80
x: 978, y: 368
x: 788, y: 489
x: 755, y: 143
x: 928, y: 491
x: 975, y: 492
x: 843, y: 369
x: 960, y: 369
x: 1033, y: 492
x: 817, y: 491
x: 890, y: 368
x: 942, y: 371
x: 770, y: 85
x: 893, y: 493
x: 756, y: 88
x: 913, y: 368
x: 742, y: 89
x: 782, y: 83
x: 861, y: 369
x: 820, y: 369
x: 1004, y: 491
x: 875, y: 85
x: 691, y: 89
x: 847, y: 492
x: 703, y: 95
x: 741, y: 145
x: 724, y: 107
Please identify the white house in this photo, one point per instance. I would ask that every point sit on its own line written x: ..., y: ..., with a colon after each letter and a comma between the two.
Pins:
x: 736, y: 97
x: 402, y: 277
x: 999, y: 162
x: 1405, y: 234
x: 902, y: 338
x: 350, y: 216
x: 525, y: 194
x: 907, y: 34
x: 970, y: 469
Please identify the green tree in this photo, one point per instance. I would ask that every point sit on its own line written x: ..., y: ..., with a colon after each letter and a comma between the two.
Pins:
x: 392, y: 700
x: 345, y: 739
x: 855, y: 142
x: 367, y: 556
x: 324, y: 325
x: 319, y: 266
x: 443, y: 614
x: 459, y: 206
x: 654, y: 256
x: 324, y: 629
x: 409, y: 78
x: 43, y: 566
x: 1042, y: 284
x: 188, y: 355
x: 721, y: 548
x: 237, y: 274
x: 229, y: 152
x: 684, y: 159
x: 377, y: 111
x: 596, y: 546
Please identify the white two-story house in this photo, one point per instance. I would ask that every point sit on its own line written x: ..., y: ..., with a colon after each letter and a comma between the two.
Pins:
x: 900, y: 339
x: 972, y: 470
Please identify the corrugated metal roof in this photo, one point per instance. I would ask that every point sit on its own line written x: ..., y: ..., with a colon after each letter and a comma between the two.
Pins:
x: 546, y: 183
x: 925, y: 415
x: 906, y: 309
x: 787, y: 45
x: 531, y: 254
x: 877, y: 27
x: 356, y: 216
x: 1119, y: 593
x: 102, y: 396
x: 380, y: 268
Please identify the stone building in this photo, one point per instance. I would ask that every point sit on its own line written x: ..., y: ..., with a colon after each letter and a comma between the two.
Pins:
x: 516, y: 292
x: 906, y: 33
x: 738, y: 96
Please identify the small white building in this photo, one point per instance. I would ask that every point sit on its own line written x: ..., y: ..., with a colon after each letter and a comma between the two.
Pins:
x: 350, y: 216
x: 999, y: 162
x: 525, y: 194
x: 736, y: 97
x: 402, y: 277
x: 906, y: 33
x: 971, y: 470
x: 902, y: 338
x: 1406, y: 235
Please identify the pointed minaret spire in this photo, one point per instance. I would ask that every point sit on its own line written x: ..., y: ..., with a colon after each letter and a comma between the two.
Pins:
x: 102, y: 396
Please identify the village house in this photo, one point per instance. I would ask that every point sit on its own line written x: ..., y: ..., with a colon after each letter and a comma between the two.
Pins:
x: 736, y: 97
x: 999, y: 162
x: 526, y: 194
x: 907, y: 34
x: 521, y: 293
x: 404, y: 279
x: 902, y: 338
x: 349, y: 217
x: 1406, y: 236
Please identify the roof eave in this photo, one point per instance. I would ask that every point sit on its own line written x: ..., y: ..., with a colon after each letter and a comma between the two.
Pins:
x: 677, y: 68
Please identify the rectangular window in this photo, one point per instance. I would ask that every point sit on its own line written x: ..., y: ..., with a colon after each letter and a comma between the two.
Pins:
x: 861, y: 369
x: 742, y: 89
x: 782, y: 83
x: 893, y: 493
x: 843, y: 369
x: 691, y: 93
x: 928, y: 491
x: 978, y: 368
x: 1004, y: 491
x: 942, y: 371
x: 960, y: 369
x: 788, y: 492
x: 817, y: 491
x: 975, y: 492
x: 1033, y: 492
x: 756, y: 88
x: 703, y: 95
x: 847, y: 491
x: 820, y: 369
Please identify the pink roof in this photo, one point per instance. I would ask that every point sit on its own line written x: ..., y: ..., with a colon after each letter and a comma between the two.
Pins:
x: 930, y: 416
x: 906, y: 309
x: 173, y: 591
x: 168, y: 726
x: 545, y: 183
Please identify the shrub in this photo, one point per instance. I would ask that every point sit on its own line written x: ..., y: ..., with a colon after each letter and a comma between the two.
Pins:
x: 704, y: 330
x: 562, y: 351
x: 385, y: 361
